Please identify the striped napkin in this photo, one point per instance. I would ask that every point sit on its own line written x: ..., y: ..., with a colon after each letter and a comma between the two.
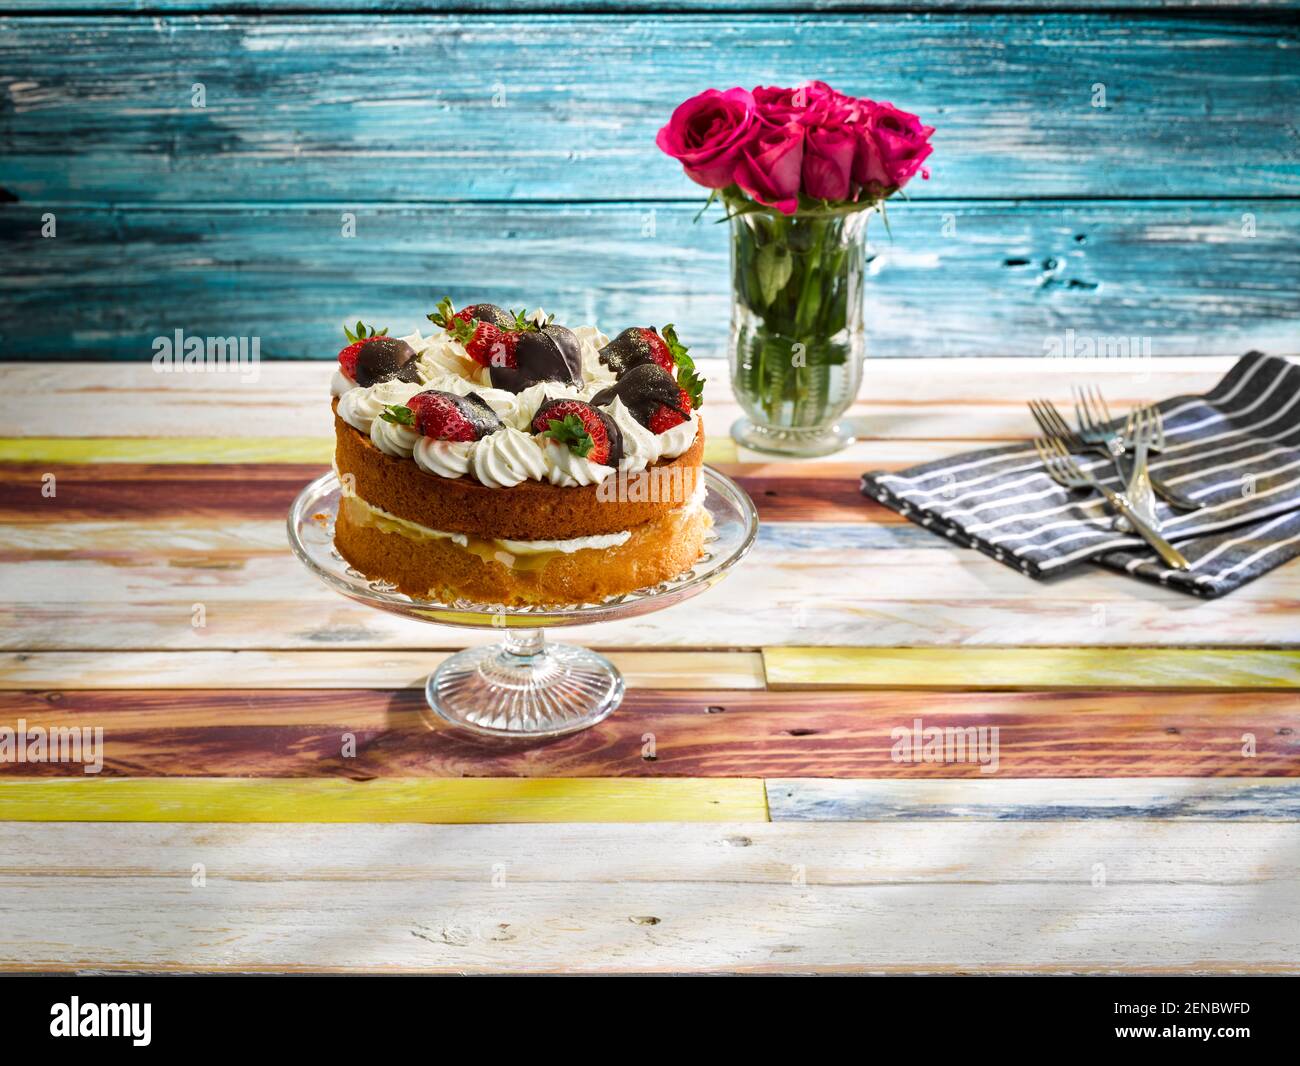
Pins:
x: 1237, y: 448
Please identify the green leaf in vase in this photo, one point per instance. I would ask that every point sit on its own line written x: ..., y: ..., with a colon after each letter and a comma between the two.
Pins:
x: 774, y: 265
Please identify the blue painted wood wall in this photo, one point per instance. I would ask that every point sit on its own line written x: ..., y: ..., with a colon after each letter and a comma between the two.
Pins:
x: 506, y: 151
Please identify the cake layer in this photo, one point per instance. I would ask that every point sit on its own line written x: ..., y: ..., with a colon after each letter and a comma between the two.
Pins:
x: 431, y: 564
x: 531, y: 510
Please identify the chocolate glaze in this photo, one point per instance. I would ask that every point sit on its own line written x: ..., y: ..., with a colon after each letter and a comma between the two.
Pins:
x: 472, y: 407
x: 643, y: 389
x: 630, y: 348
x: 492, y: 313
x: 383, y: 359
x: 612, y: 431
x: 551, y: 353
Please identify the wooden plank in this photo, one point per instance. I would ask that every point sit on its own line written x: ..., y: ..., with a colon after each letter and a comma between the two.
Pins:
x: 85, y: 586
x: 1031, y: 668
x: 478, y: 108
x: 444, y: 800
x: 1237, y: 799
x: 997, y: 278
x: 1067, y: 896
x: 86, y: 491
x: 63, y: 671
x: 42, y: 7
x: 702, y: 733
x: 894, y: 407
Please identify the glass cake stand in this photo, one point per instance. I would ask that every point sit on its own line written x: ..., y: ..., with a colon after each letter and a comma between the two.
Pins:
x: 523, y: 687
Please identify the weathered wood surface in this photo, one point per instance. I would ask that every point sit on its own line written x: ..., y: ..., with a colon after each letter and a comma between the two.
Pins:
x: 320, y: 669
x: 990, y: 669
x: 368, y: 735
x: 1120, y: 896
x: 956, y: 278
x: 397, y: 799
x: 473, y: 108
x: 602, y: 6
x: 907, y: 411
x: 1238, y: 799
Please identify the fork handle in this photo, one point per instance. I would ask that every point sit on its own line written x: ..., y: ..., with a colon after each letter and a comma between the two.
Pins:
x: 1171, y: 555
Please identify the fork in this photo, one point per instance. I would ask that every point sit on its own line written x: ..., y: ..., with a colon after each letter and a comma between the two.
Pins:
x: 1062, y: 469
x: 1095, y: 421
x: 1052, y: 423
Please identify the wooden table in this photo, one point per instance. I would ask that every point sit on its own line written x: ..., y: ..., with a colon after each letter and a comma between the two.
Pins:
x: 741, y: 811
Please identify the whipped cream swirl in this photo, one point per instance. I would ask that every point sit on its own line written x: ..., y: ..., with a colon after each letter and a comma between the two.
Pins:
x: 392, y: 439
x: 568, y: 469
x: 359, y: 407
x: 506, y: 458
x: 446, y: 458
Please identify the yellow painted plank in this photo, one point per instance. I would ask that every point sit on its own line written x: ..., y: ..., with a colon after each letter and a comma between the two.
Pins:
x: 212, y: 450
x: 1036, y: 668
x: 166, y: 450
x: 335, y: 669
x: 432, y: 800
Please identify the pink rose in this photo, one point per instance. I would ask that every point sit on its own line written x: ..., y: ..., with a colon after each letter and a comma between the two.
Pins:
x: 828, y: 156
x: 772, y: 166
x: 708, y: 133
x: 813, y: 104
x: 892, y: 146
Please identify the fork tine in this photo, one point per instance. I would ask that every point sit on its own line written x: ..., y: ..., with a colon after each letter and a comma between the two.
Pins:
x: 1081, y: 411
x: 1059, y: 426
x: 1101, y: 404
x: 1158, y: 428
x: 1040, y: 416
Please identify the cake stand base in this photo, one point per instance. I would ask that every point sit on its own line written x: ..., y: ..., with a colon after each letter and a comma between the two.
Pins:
x: 525, y: 688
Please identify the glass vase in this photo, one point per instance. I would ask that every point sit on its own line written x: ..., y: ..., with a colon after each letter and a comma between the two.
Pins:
x: 796, y: 325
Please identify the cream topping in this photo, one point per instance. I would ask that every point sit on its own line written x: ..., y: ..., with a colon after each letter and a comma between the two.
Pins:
x: 640, y: 446
x: 569, y: 469
x: 392, y: 439
x: 446, y: 458
x: 506, y: 458
x: 514, y: 547
x: 359, y: 407
x: 674, y: 442
x: 340, y: 382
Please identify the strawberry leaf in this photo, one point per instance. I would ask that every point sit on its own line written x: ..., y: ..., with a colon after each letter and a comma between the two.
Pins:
x: 363, y: 332
x: 687, y: 376
x: 572, y: 432
x: 445, y: 313
x: 398, y: 414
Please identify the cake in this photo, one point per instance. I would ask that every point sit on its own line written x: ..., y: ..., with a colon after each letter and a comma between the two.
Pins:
x: 506, y: 459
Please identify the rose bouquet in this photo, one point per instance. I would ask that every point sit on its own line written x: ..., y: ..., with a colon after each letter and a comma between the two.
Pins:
x: 799, y: 171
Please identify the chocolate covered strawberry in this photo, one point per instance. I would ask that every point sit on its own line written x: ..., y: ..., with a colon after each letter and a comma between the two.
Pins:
x: 447, y: 316
x: 384, y: 359
x: 635, y: 347
x: 357, y: 337
x: 586, y: 431
x: 445, y: 415
x: 551, y: 353
x: 651, y: 396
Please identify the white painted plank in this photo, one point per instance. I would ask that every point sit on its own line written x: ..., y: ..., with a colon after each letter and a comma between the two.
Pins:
x: 922, y: 896
x: 1035, y: 799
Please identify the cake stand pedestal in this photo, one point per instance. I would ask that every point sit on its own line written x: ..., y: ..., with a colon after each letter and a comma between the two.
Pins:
x: 524, y: 686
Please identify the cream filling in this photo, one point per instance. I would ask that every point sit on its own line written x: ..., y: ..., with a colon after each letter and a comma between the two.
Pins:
x: 368, y: 514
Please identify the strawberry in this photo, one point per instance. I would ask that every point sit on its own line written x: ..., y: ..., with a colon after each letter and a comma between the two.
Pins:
x: 445, y: 415
x: 356, y: 341
x: 635, y: 346
x: 447, y: 316
x: 651, y: 396
x: 587, y: 431
x: 487, y: 344
x: 664, y: 417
